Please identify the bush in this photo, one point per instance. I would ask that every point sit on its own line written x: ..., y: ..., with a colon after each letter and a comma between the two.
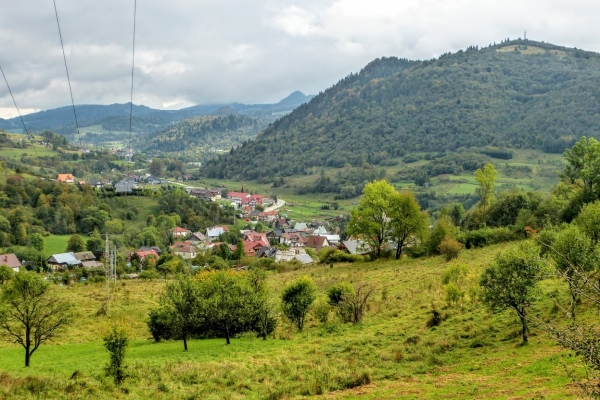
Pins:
x: 158, y: 325
x: 116, y: 341
x: 450, y: 248
x: 330, y: 255
x: 453, y: 273
x: 336, y: 293
x: 453, y: 293
x: 321, y: 311
x: 487, y: 236
x: 297, y: 299
x: 148, y: 275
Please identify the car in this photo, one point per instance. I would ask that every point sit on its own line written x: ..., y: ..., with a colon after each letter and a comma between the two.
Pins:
x: 82, y: 279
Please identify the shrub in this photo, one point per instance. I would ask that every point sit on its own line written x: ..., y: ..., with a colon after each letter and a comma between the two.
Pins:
x: 321, y: 311
x: 453, y: 273
x: 336, y: 293
x: 158, y: 325
x: 148, y: 275
x: 329, y: 255
x: 297, y: 299
x: 453, y: 293
x: 487, y: 236
x: 450, y: 248
x: 116, y: 341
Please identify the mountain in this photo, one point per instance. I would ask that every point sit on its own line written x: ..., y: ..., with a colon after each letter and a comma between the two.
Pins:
x: 115, y: 117
x: 517, y: 94
x: 202, y: 136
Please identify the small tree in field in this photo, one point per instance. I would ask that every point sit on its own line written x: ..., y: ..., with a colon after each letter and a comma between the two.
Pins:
x: 75, y: 244
x: 450, y: 248
x: 297, y: 298
x: 116, y: 341
x: 30, y: 314
x: 511, y: 282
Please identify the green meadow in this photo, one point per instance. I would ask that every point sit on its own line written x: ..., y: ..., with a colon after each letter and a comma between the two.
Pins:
x: 391, y: 354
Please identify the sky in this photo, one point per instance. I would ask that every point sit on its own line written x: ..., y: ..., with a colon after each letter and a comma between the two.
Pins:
x: 251, y: 51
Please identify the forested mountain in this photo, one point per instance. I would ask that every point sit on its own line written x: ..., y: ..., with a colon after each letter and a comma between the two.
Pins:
x: 115, y: 117
x: 517, y: 94
x: 206, y: 133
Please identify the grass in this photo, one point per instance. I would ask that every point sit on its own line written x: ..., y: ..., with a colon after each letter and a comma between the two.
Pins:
x: 57, y: 244
x: 392, y: 354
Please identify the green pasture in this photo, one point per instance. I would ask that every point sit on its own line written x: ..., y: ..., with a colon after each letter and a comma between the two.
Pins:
x: 392, y: 354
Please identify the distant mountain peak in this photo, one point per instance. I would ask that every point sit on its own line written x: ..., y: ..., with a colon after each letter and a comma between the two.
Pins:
x: 296, y: 98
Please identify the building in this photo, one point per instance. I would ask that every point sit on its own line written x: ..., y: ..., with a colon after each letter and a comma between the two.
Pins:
x: 11, y: 261
x: 316, y: 242
x: 180, y: 232
x: 63, y: 260
x: 85, y: 256
x: 65, y: 178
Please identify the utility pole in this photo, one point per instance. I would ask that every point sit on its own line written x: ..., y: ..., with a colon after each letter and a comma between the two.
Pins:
x: 107, y: 271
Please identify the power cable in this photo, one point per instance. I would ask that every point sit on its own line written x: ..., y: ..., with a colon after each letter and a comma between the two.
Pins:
x: 18, y: 111
x: 129, y: 152
x: 68, y: 78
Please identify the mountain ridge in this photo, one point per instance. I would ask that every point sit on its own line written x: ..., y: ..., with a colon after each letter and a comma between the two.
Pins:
x: 518, y: 94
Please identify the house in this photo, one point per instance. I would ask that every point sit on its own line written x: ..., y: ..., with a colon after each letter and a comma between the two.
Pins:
x: 97, y: 184
x: 316, y: 242
x: 274, y: 236
x: 293, y: 239
x: 298, y: 254
x: 252, y: 248
x: 63, y: 260
x: 65, y: 178
x: 246, y: 210
x: 186, y: 252
x: 300, y: 226
x: 11, y: 261
x: 197, y: 237
x: 354, y: 247
x: 251, y: 236
x: 206, y: 194
x: 148, y: 248
x: 180, y: 232
x: 216, y: 231
x: 333, y: 239
x: 266, y: 252
x: 238, y: 197
x: 126, y: 186
x: 268, y: 216
x: 85, y: 256
x: 320, y: 231
x: 145, y: 253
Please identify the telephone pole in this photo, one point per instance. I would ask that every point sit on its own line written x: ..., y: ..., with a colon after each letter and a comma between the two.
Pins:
x: 107, y: 263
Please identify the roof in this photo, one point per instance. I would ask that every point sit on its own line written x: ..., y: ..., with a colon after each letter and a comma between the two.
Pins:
x: 10, y: 260
x: 181, y: 230
x: 64, y: 258
x: 316, y: 241
x: 186, y: 249
x: 65, y: 177
x: 356, y: 247
x: 241, y: 195
x: 144, y: 253
x: 300, y: 226
x: 333, y: 238
x: 85, y: 256
x: 266, y: 252
x: 214, y: 232
x: 304, y: 258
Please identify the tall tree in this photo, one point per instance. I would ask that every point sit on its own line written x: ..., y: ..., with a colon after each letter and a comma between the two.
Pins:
x: 486, y: 178
x: 408, y: 223
x: 75, y: 244
x: 181, y: 302
x: 583, y: 163
x: 30, y: 313
x: 157, y: 167
x: 370, y: 218
x: 511, y: 282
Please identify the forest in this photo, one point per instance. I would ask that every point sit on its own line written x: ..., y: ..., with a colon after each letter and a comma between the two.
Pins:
x: 536, y: 96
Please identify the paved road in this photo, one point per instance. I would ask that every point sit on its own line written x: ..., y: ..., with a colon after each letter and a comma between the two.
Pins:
x: 280, y: 203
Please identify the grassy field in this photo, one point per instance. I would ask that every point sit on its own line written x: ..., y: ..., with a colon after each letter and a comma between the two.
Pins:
x: 392, y: 354
x: 57, y: 244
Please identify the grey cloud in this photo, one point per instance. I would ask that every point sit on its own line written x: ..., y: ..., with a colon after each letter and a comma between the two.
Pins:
x: 190, y: 51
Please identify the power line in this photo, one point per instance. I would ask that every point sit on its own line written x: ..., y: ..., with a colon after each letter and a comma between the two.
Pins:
x: 132, y: 71
x: 18, y: 111
x: 68, y: 78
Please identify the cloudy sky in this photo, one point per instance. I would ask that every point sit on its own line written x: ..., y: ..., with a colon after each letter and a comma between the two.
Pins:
x: 252, y: 51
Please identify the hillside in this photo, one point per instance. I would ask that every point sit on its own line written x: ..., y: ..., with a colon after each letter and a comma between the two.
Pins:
x: 202, y: 134
x: 519, y: 94
x: 114, y: 119
x: 391, y: 354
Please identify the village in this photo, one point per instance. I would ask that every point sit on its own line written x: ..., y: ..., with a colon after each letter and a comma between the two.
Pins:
x: 267, y: 234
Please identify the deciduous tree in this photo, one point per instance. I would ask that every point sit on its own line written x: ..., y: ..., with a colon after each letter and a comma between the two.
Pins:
x: 297, y: 298
x: 30, y: 313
